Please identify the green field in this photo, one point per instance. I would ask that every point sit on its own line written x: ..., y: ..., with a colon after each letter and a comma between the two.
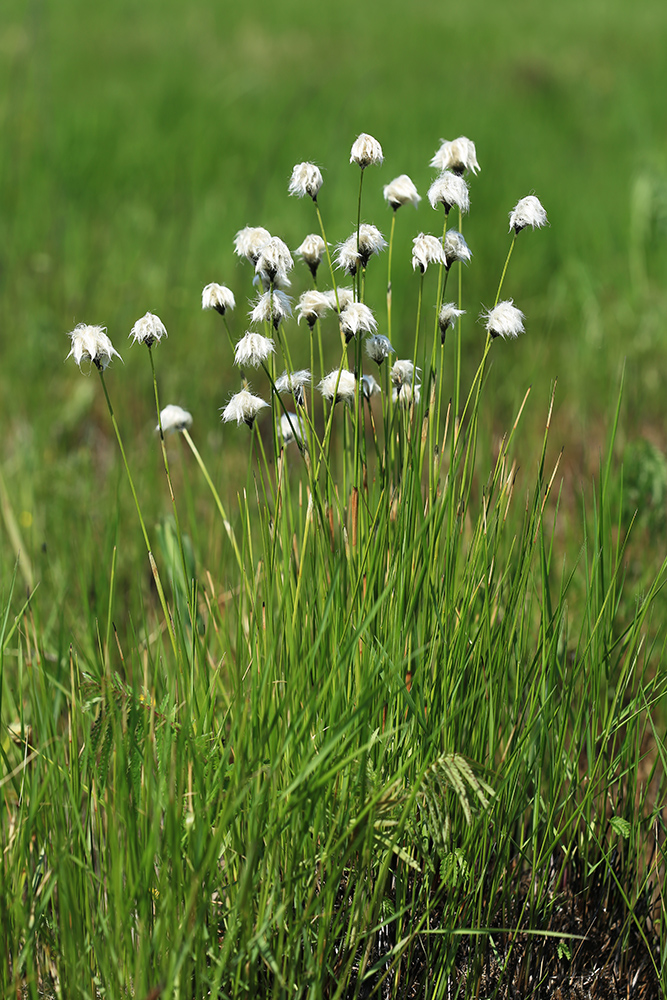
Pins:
x: 407, y: 740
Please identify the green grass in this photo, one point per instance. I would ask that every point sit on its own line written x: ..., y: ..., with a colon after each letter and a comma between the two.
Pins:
x: 372, y: 758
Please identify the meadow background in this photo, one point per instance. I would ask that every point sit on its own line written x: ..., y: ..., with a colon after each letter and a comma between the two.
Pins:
x: 137, y: 139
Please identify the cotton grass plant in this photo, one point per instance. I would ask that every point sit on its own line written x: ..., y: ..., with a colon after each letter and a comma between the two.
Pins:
x: 379, y: 749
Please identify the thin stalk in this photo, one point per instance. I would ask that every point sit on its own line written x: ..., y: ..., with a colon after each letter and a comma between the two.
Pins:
x: 219, y: 505
x: 171, y: 491
x: 361, y: 184
x: 502, y: 276
x: 151, y: 559
x: 326, y: 250
x: 390, y: 254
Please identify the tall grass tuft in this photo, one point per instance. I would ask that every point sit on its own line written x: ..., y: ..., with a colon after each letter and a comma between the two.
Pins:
x: 392, y: 744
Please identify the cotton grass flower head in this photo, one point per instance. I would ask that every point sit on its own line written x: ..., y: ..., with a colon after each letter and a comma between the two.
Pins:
x: 253, y: 349
x: 427, y: 250
x: 312, y: 305
x: 292, y: 428
x: 148, y: 330
x: 449, y: 190
x: 456, y: 247
x: 340, y: 297
x: 306, y: 180
x: 243, y: 407
x: 174, y: 418
x: 91, y: 343
x: 405, y: 395
x: 457, y: 155
x: 371, y: 241
x: 272, y: 307
x: 274, y: 262
x: 357, y: 318
x: 370, y: 386
x: 504, y: 320
x: 348, y: 257
x: 378, y: 348
x: 400, y: 191
x: 403, y: 373
x: 249, y: 241
x: 528, y: 211
x: 217, y: 297
x: 366, y: 151
x: 312, y: 251
x: 447, y: 316
x: 346, y: 386
x: 294, y: 383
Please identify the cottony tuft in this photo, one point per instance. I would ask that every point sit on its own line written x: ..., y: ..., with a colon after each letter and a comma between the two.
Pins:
x: 91, y: 343
x: 366, y: 151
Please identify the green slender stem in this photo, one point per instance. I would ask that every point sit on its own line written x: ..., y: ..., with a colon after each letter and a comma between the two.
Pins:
x: 151, y: 559
x: 361, y: 184
x: 218, y: 502
x: 417, y: 326
x: 458, y: 329
x: 441, y: 368
x: 390, y: 255
x: 326, y: 250
x: 502, y: 276
x: 171, y: 492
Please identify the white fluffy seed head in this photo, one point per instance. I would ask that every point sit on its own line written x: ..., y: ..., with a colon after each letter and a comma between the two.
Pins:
x: 405, y: 395
x: 450, y: 190
x: 272, y: 307
x: 366, y: 151
x: 249, y: 241
x: 335, y: 388
x: 400, y: 191
x: 378, y: 348
x: 274, y: 262
x: 306, y: 179
x: 528, y: 211
x: 457, y: 155
x: 91, y: 343
x: 312, y: 251
x: 148, y: 330
x: 371, y: 241
x: 357, y: 318
x: 456, y: 247
x: 504, y: 320
x: 253, y: 349
x: 370, y: 386
x: 243, y: 408
x: 348, y: 257
x: 447, y: 316
x: 294, y: 383
x: 403, y: 373
x: 313, y: 305
x: 174, y: 418
x: 292, y: 428
x: 427, y: 249
x: 217, y: 297
x: 340, y: 298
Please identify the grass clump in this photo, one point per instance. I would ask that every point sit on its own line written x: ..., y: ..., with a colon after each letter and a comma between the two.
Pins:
x: 388, y: 744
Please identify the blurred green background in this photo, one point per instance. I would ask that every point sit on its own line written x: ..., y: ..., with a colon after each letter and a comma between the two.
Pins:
x: 139, y: 137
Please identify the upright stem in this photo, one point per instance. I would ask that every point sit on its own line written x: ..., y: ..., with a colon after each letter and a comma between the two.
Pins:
x: 391, y: 250
x: 361, y: 184
x: 153, y: 564
x: 171, y: 492
x: 458, y: 330
x: 326, y: 250
x: 218, y: 503
x: 502, y: 276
